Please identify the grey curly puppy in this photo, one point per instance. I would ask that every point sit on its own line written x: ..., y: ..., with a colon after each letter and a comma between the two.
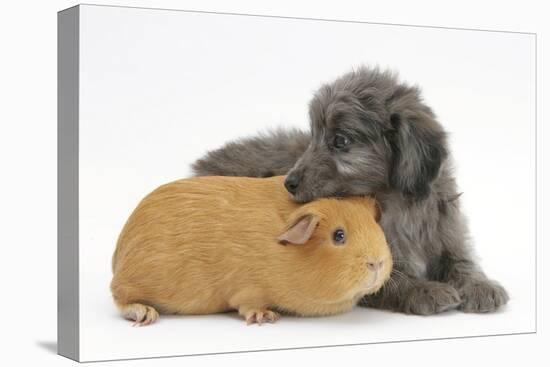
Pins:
x: 373, y: 135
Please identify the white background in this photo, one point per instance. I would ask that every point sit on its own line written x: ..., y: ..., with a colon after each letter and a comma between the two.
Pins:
x: 158, y: 88
x: 28, y: 138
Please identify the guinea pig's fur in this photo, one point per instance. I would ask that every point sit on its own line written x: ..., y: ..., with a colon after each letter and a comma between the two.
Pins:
x: 213, y: 244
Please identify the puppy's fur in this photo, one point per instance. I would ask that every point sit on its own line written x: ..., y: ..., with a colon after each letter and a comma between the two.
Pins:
x: 396, y: 151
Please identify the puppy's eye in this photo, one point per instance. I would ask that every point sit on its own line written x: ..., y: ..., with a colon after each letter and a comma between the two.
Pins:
x: 340, y: 141
x: 339, y: 237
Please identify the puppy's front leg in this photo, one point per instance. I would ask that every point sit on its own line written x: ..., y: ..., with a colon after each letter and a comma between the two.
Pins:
x: 478, y: 293
x: 457, y: 267
x: 411, y: 295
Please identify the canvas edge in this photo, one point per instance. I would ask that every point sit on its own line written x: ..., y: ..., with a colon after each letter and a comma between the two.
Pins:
x: 67, y: 185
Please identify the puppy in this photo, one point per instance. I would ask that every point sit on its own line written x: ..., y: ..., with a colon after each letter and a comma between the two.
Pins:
x: 373, y: 135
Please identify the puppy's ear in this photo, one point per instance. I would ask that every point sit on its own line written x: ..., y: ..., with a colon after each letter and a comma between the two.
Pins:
x: 299, y: 230
x: 418, y: 146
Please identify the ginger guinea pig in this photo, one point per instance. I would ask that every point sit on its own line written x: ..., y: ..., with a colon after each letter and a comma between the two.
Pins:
x: 214, y: 244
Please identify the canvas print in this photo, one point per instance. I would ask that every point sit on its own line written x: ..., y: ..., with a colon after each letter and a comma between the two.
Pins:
x: 334, y: 182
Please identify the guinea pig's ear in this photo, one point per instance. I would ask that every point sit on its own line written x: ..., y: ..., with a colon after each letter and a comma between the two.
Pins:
x: 299, y: 230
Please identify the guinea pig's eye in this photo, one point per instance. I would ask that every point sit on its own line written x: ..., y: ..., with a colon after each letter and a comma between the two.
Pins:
x: 340, y: 141
x: 339, y: 237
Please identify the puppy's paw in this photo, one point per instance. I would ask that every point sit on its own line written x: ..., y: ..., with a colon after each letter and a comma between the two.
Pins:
x: 260, y: 316
x: 141, y: 314
x: 428, y: 298
x: 482, y: 296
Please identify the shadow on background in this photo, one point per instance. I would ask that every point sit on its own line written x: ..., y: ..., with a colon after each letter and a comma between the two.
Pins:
x: 50, y: 346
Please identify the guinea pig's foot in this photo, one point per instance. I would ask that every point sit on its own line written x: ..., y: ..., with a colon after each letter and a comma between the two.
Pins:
x: 141, y: 314
x: 260, y: 316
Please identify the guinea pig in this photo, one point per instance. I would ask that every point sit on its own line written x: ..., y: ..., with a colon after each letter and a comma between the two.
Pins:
x: 213, y: 244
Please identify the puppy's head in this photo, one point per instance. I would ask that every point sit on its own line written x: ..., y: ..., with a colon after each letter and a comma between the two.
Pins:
x: 369, y: 134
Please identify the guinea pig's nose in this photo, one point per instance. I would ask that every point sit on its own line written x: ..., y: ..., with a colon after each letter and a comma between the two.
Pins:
x: 292, y: 182
x: 375, y: 265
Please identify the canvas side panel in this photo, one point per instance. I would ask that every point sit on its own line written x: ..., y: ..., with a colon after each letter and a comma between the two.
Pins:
x: 67, y: 184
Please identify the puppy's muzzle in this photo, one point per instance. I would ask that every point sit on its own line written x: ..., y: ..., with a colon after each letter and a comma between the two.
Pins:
x: 292, y: 182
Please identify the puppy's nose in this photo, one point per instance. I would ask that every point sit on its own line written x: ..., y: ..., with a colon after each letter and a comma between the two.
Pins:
x: 292, y: 182
x: 375, y: 265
